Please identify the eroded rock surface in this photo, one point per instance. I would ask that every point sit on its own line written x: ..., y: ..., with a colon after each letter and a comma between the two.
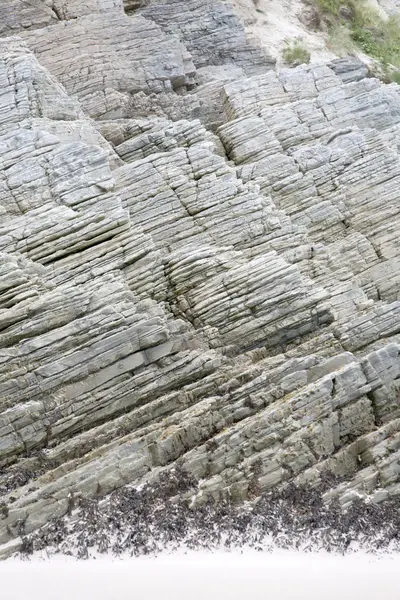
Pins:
x: 199, y: 262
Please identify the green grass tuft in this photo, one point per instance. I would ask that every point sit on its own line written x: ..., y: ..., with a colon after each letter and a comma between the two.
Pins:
x: 329, y: 7
x: 395, y: 77
x: 295, y: 53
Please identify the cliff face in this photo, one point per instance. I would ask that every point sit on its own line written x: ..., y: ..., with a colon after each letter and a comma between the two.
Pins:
x: 199, y: 260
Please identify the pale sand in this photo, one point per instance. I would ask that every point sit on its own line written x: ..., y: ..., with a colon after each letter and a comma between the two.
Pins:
x: 278, y: 21
x: 201, y: 576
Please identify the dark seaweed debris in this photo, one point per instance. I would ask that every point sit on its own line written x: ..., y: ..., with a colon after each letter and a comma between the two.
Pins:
x: 159, y: 516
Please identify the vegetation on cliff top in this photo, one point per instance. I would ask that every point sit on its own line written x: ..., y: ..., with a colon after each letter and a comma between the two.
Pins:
x: 354, y: 24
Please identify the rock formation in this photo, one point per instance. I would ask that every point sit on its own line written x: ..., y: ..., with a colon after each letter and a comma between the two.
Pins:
x: 199, y: 261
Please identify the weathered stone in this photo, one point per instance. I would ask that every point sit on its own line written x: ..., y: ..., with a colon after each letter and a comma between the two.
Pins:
x: 211, y: 31
x: 119, y: 60
x: 349, y: 68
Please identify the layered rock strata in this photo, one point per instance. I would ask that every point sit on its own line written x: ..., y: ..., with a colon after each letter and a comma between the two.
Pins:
x: 199, y: 262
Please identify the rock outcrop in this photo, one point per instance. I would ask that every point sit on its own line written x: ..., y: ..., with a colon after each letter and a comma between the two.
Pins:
x: 199, y: 261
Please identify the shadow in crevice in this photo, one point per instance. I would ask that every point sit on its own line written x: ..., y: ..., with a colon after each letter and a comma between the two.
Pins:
x: 131, y: 6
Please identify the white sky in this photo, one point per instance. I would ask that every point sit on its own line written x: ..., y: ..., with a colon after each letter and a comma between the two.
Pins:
x: 198, y: 576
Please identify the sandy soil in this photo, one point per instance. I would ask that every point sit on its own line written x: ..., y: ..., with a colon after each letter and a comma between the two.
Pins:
x: 274, y: 21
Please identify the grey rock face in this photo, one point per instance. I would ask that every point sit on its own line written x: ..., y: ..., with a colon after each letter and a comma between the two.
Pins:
x: 211, y: 31
x: 17, y: 15
x: 118, y: 60
x: 196, y: 267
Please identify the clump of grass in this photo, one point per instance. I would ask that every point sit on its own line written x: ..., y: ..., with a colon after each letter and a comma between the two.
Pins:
x: 386, y: 73
x: 295, y: 53
x: 329, y: 7
x: 395, y: 76
x: 340, y: 41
